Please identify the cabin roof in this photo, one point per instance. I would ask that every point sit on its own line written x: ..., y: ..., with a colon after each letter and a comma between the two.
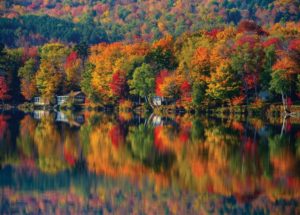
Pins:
x: 76, y: 93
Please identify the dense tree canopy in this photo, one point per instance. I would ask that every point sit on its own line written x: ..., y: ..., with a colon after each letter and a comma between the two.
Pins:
x: 98, y: 20
x: 225, y: 65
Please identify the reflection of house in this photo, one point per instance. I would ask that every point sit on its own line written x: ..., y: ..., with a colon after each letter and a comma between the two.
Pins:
x: 79, y: 119
x: 61, y: 117
x: 61, y: 99
x: 75, y: 97
x: 72, y: 119
x: 157, y: 120
x: 39, y: 114
x: 40, y: 101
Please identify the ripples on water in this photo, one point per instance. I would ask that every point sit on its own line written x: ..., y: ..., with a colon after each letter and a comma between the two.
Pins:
x: 97, y: 162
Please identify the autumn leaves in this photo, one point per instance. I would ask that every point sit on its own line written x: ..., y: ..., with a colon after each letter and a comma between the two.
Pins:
x: 224, y: 66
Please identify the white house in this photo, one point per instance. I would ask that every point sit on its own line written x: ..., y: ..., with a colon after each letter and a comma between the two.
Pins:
x: 78, y: 98
x: 157, y: 100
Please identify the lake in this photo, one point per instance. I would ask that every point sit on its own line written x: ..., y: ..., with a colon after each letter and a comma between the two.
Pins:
x: 93, y: 162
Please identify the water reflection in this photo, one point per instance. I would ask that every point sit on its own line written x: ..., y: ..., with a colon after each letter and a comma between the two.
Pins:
x: 101, y: 162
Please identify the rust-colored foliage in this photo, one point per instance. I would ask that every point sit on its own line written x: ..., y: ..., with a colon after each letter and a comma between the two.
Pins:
x: 71, y: 58
x: 294, y: 49
x: 237, y: 126
x: 29, y: 52
x: 238, y: 100
x: 116, y: 134
x: 250, y: 26
x: 286, y: 64
x: 271, y: 42
x: 251, y: 41
x: 3, y: 125
x: 69, y: 157
x: 4, y: 89
x: 165, y: 43
x: 185, y: 89
x: 213, y: 33
x: 159, y: 139
x: 118, y: 83
x: 159, y: 81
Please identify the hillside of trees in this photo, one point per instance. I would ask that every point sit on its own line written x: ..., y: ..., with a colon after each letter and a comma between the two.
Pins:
x: 35, y: 22
x: 37, y: 30
x: 247, y: 64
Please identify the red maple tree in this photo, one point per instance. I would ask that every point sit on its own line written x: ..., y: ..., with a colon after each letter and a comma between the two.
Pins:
x: 118, y: 83
x: 160, y: 80
x: 72, y: 57
x: 185, y: 89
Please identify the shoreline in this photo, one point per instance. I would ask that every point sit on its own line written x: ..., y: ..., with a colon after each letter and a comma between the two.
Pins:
x: 274, y: 109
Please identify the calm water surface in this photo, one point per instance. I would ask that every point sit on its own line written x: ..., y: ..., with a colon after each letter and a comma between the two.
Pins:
x: 71, y: 163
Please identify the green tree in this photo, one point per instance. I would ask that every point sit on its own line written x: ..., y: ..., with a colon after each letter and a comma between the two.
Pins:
x: 82, y: 50
x: 2, y: 59
x: 247, y: 63
x: 280, y: 84
x: 27, y: 77
x: 13, y: 61
x: 161, y: 59
x: 86, y: 85
x: 198, y: 93
x: 269, y: 60
x: 143, y: 82
x: 283, y: 79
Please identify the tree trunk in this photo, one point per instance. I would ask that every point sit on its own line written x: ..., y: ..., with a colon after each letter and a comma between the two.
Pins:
x: 149, y: 101
x: 284, y: 103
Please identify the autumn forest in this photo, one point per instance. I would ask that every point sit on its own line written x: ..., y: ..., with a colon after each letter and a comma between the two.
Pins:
x: 191, y: 54
x: 150, y: 107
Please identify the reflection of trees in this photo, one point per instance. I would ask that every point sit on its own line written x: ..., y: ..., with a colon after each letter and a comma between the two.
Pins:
x: 142, y: 148
x: 197, y: 132
x: 3, y: 126
x: 105, y: 158
x: 25, y: 140
x: 50, y: 147
x: 226, y: 157
x: 9, y: 127
x: 91, y: 121
x: 72, y: 147
x: 282, y: 154
x: 141, y: 141
x: 297, y: 144
x: 231, y: 161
